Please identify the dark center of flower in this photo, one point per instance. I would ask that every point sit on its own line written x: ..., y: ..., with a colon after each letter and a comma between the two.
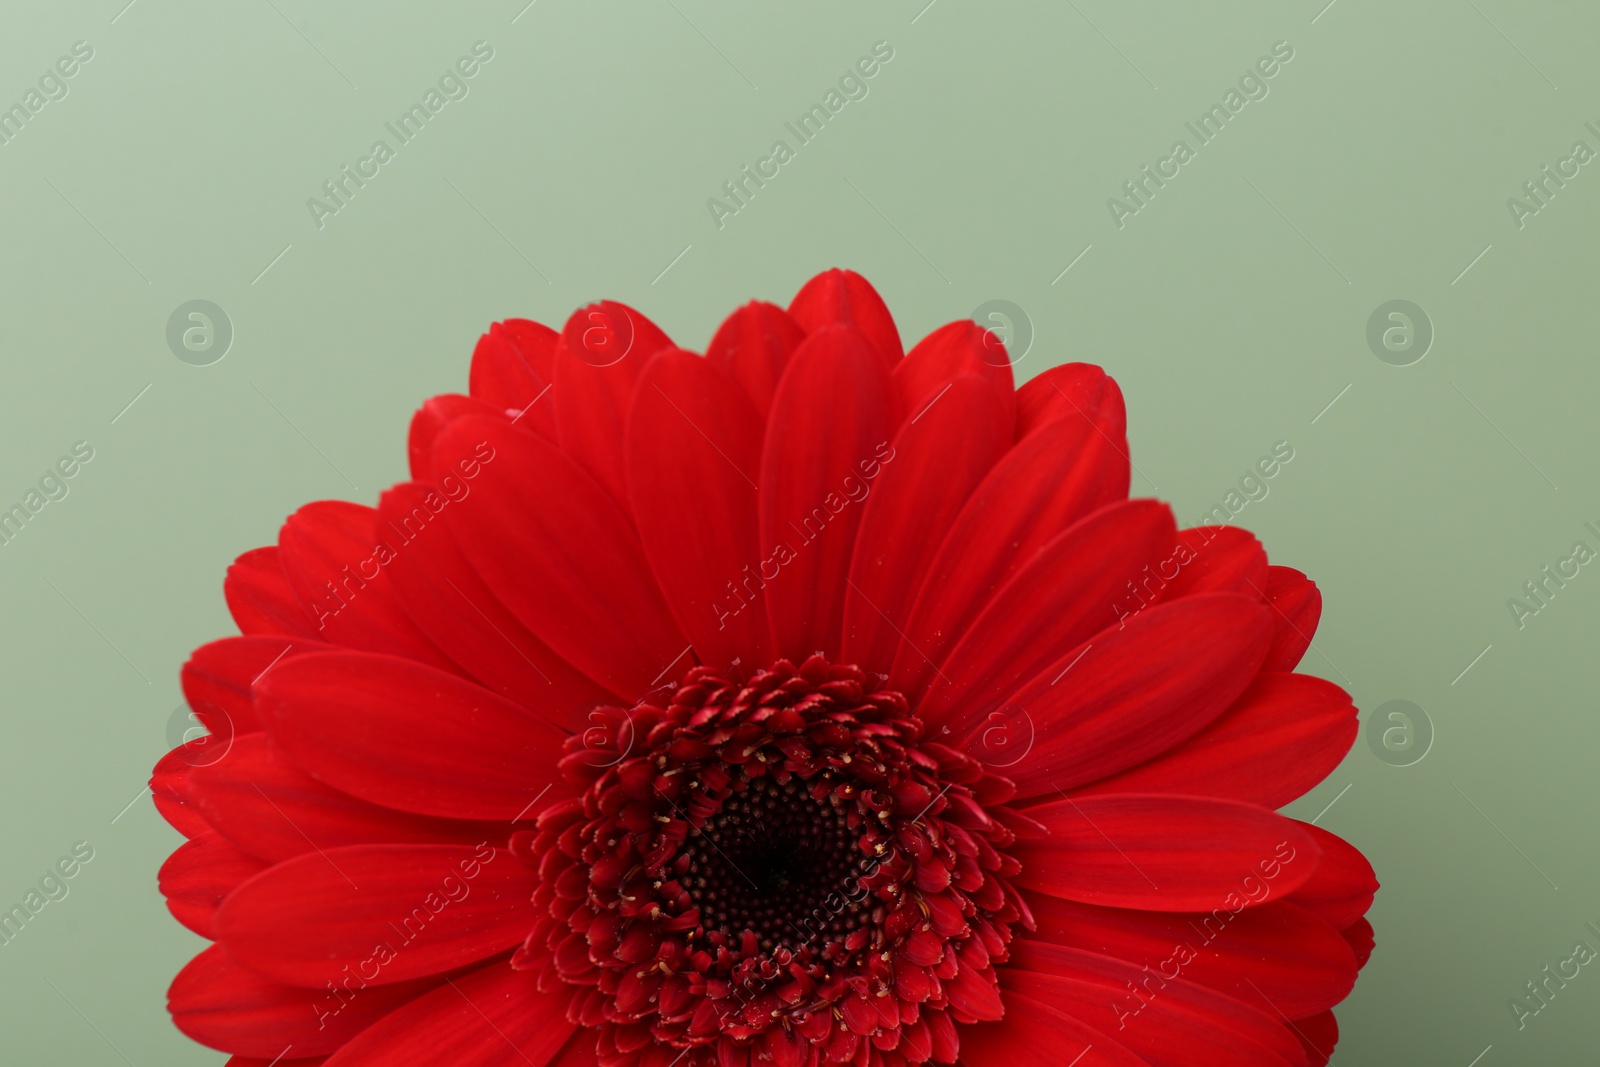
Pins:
x: 778, y: 869
x: 771, y: 859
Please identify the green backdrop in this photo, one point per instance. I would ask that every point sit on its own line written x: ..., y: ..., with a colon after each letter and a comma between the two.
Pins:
x: 1230, y: 293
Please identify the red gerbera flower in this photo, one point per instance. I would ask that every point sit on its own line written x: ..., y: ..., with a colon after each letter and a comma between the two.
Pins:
x: 805, y: 702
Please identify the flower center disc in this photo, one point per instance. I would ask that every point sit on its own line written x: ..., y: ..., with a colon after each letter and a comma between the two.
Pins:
x: 781, y: 863
x: 771, y: 859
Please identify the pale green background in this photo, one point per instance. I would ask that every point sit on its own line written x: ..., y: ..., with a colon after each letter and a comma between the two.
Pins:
x: 977, y: 169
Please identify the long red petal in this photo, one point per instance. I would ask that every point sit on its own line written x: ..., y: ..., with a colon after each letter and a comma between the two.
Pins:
x: 406, y: 736
x: 494, y: 1017
x: 434, y: 416
x: 938, y: 458
x: 260, y: 599
x: 169, y: 785
x: 843, y: 297
x: 1072, y: 389
x: 1344, y: 884
x: 222, y: 1005
x: 217, y: 679
x: 1163, y: 1018
x: 1276, y: 950
x: 199, y: 874
x: 1297, y: 605
x: 333, y: 555
x: 268, y: 807
x: 1283, y: 736
x: 1160, y: 853
x: 1130, y: 694
x: 563, y: 557
x: 1047, y: 482
x: 1038, y: 1034
x: 460, y: 613
x: 753, y: 346
x: 1067, y: 593
x: 1215, y: 559
x: 390, y: 913
x: 602, y: 351
x: 953, y: 350
x: 694, y: 454
x: 513, y: 367
x: 829, y: 427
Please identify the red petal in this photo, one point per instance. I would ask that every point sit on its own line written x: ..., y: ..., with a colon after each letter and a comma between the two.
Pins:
x: 974, y: 993
x: 829, y: 427
x: 579, y: 1051
x: 694, y: 453
x: 953, y: 350
x: 1168, y: 1021
x: 938, y: 459
x: 1218, y: 559
x: 199, y: 874
x: 1165, y: 853
x: 753, y: 346
x: 844, y: 297
x: 333, y: 555
x: 1319, y: 1034
x: 1062, y: 597
x: 1344, y: 884
x: 1359, y: 936
x: 268, y: 807
x: 494, y: 1017
x: 1045, y: 484
x: 220, y: 1004
x: 512, y: 368
x: 1132, y: 693
x: 786, y: 1047
x: 603, y: 349
x: 563, y: 558
x: 461, y: 614
x: 1283, y: 736
x: 1297, y: 608
x: 409, y: 737
x: 390, y: 912
x: 217, y: 679
x: 1072, y: 388
x: 260, y: 599
x: 169, y: 785
x: 1034, y: 1034
x: 431, y: 418
x: 1276, y: 950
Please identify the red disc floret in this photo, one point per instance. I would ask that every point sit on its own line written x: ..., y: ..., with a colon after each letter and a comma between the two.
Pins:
x: 780, y: 866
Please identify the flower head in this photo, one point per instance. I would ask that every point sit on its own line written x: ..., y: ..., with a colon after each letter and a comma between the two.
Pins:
x: 805, y: 702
